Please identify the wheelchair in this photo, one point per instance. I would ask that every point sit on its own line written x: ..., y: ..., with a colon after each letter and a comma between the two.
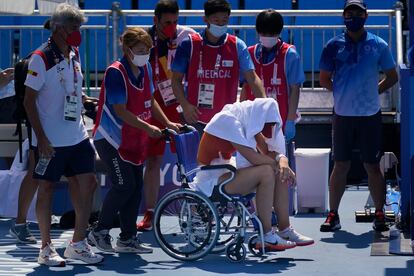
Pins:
x: 189, y: 225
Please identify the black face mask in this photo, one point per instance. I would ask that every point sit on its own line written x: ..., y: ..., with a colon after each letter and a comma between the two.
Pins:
x: 354, y: 24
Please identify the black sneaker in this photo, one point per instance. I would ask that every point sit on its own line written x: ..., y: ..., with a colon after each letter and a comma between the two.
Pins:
x: 379, y: 221
x: 331, y: 223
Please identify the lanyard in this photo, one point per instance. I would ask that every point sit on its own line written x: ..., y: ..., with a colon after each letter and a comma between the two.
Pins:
x: 156, y: 56
x: 216, y: 65
x: 59, y: 69
x: 156, y: 61
x: 261, y: 62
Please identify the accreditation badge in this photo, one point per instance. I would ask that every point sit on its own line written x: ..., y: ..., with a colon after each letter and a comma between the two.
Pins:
x: 166, y: 92
x: 71, y: 108
x: 206, y: 95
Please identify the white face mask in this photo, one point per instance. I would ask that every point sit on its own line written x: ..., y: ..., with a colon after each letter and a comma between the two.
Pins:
x: 139, y: 60
x: 268, y: 41
x: 217, y: 30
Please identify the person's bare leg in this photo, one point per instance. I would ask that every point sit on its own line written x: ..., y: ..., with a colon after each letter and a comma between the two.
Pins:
x: 73, y: 189
x: 337, y: 183
x: 43, y: 209
x: 260, y: 178
x: 376, y: 184
x: 82, y: 197
x: 281, y: 203
x: 152, y: 181
x: 27, y: 191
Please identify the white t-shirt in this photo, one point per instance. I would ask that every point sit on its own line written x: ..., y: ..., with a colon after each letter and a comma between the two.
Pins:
x: 54, y: 81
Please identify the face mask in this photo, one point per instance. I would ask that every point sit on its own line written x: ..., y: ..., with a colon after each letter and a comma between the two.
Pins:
x: 268, y: 41
x: 217, y: 30
x: 139, y: 60
x: 169, y: 30
x: 74, y: 39
x: 354, y: 24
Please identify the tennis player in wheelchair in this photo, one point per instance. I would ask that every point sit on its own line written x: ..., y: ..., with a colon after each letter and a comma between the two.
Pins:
x: 253, y: 130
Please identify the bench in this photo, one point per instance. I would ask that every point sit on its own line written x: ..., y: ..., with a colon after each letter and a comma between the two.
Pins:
x: 9, y: 143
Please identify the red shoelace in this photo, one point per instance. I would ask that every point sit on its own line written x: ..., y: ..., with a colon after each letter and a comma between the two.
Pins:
x: 330, y: 217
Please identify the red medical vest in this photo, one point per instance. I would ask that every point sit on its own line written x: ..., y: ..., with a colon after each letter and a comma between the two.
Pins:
x: 225, y: 76
x: 278, y: 89
x: 134, y: 142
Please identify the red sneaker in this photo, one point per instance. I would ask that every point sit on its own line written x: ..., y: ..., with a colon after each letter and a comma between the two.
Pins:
x: 146, y: 223
x: 379, y: 221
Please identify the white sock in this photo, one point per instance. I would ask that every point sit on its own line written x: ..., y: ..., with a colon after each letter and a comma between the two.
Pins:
x: 287, y: 229
x: 76, y: 244
x: 270, y: 237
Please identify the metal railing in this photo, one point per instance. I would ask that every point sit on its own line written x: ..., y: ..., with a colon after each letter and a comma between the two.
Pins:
x: 101, y: 44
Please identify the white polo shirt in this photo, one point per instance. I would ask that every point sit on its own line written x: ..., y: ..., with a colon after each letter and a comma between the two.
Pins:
x: 52, y: 76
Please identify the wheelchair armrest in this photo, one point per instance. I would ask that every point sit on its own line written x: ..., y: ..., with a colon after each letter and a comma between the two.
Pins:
x: 222, y: 166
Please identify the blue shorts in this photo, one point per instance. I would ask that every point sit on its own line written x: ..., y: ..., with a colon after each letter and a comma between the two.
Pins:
x: 69, y: 161
x: 357, y: 132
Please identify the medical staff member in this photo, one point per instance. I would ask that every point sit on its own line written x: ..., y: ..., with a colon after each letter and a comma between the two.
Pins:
x: 121, y: 137
x: 278, y: 65
x: 212, y: 62
x: 166, y: 35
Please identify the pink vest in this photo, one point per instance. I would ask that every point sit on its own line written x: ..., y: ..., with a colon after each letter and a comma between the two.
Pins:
x: 134, y: 142
x: 278, y: 88
x: 225, y: 81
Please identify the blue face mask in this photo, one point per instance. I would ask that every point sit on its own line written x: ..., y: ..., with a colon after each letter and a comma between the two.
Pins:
x: 217, y: 30
x: 354, y: 24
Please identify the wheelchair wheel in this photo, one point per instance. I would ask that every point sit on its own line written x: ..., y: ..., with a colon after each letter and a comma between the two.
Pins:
x: 236, y: 252
x: 252, y: 246
x: 186, y: 225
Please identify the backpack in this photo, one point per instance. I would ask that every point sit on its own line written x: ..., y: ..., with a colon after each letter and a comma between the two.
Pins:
x: 20, y: 73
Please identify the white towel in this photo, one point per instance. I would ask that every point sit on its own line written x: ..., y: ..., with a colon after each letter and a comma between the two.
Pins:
x: 241, y: 121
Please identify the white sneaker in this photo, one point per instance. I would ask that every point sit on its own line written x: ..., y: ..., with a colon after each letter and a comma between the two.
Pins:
x: 48, y: 256
x: 132, y: 245
x: 102, y: 240
x: 290, y: 234
x: 275, y: 243
x: 83, y: 252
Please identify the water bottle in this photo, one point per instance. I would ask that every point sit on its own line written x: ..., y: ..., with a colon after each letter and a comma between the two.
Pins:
x: 393, y: 199
x: 42, y: 165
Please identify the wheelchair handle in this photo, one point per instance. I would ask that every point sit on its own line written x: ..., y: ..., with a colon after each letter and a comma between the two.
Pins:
x: 166, y: 134
x: 187, y: 128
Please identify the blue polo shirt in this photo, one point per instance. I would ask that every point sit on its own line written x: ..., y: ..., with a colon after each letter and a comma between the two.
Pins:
x: 116, y: 93
x: 183, y: 54
x: 355, y: 70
